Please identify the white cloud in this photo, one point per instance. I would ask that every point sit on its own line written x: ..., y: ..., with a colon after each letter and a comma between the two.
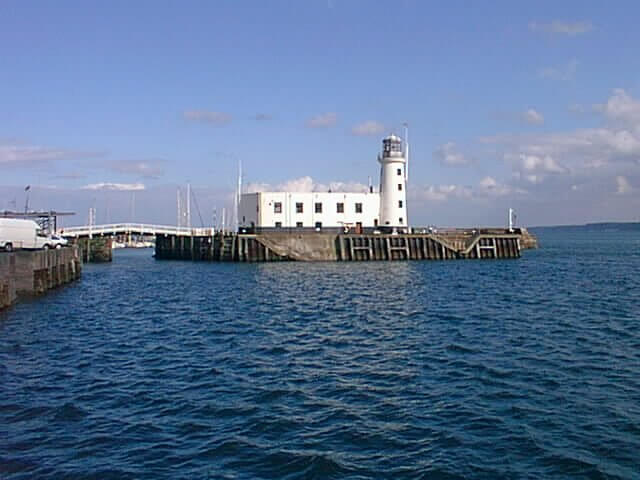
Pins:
x: 586, y: 151
x: 114, y: 186
x: 307, y: 184
x: 17, y: 153
x: 562, y: 28
x: 534, y: 163
x: 533, y: 117
x: 621, y: 107
x: 561, y: 72
x: 209, y: 117
x: 490, y: 186
x: 440, y: 193
x: 369, y: 127
x: 534, y: 168
x: 488, y: 183
x: 583, y: 174
x: 323, y: 120
x: 622, y: 142
x: 25, y: 154
x: 343, y: 187
x: 623, y: 186
x: 303, y: 184
x: 447, y: 155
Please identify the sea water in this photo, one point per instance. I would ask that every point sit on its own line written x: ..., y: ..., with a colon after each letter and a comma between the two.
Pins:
x: 148, y: 369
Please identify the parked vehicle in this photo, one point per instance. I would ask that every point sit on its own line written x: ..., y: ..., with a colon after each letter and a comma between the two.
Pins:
x: 19, y: 233
x: 56, y: 241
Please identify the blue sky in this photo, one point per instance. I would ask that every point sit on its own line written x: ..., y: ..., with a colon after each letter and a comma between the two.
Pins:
x: 509, y: 104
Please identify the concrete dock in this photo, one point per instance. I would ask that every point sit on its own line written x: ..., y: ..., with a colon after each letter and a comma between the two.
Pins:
x: 315, y: 246
x: 33, y: 272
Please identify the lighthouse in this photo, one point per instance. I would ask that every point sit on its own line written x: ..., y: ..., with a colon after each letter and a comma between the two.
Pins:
x: 393, y: 185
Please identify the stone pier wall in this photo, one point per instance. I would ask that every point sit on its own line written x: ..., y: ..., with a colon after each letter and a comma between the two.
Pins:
x: 94, y: 250
x: 33, y: 272
x: 275, y: 246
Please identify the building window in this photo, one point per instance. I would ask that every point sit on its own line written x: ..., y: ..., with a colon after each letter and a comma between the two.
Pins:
x: 278, y: 224
x: 375, y: 222
x: 318, y: 225
x: 399, y: 171
x: 277, y: 207
x: 340, y: 207
x: 318, y: 207
x: 299, y: 207
x: 298, y: 224
x: 399, y: 203
x: 399, y: 187
x: 400, y: 220
x: 358, y: 208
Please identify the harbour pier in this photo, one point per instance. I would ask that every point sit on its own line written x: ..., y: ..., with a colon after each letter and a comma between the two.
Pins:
x: 318, y: 246
x: 33, y: 272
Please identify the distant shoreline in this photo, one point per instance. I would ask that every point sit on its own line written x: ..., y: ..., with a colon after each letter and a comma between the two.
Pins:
x: 593, y: 225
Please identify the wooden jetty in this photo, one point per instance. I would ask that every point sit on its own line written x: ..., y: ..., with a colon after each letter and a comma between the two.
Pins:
x: 315, y: 246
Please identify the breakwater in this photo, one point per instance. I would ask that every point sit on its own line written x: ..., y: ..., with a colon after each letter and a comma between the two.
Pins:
x: 315, y: 246
x: 33, y: 272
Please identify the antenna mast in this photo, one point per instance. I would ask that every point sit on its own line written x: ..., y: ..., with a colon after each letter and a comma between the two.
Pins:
x: 224, y: 220
x: 188, y: 205
x: 238, y: 197
x: 179, y: 218
x: 406, y: 151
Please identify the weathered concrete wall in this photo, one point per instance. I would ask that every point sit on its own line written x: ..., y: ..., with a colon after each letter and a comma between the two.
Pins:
x: 33, y: 272
x: 8, y: 293
x: 95, y: 250
x: 321, y: 246
x: 304, y: 247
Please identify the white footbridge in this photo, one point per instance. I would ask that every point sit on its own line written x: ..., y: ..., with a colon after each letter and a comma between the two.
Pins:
x: 113, y: 229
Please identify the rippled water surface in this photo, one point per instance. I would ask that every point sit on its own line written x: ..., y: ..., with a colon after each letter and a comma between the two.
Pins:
x: 523, y: 368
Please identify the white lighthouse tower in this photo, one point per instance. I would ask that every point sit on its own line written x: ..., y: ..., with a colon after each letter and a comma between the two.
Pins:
x: 393, y: 185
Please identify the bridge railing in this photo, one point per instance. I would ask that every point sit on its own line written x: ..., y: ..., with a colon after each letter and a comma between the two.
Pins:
x: 133, y: 228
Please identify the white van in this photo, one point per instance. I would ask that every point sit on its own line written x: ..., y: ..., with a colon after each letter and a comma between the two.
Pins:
x: 18, y: 233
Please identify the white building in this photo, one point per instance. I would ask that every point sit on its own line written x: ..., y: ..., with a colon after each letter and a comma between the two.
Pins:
x: 318, y: 210
x: 335, y: 210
